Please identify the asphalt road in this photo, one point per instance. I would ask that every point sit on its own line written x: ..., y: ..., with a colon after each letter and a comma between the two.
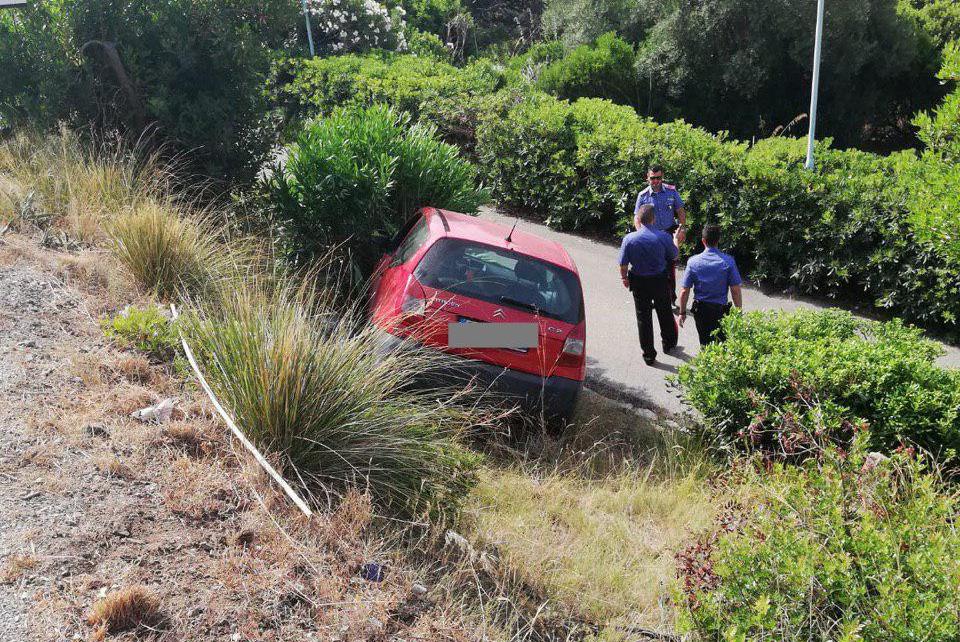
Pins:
x: 614, y: 362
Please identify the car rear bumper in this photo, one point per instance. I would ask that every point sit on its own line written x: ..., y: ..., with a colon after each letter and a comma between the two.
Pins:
x: 554, y: 397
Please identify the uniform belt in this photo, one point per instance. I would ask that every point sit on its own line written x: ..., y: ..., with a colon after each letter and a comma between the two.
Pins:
x: 700, y: 305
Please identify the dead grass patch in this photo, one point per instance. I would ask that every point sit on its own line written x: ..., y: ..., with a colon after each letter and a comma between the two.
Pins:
x: 17, y: 566
x: 111, y: 466
x: 124, y: 610
x: 135, y: 368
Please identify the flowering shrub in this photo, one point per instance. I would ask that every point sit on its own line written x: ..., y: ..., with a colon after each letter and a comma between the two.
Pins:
x: 848, y: 547
x: 345, y: 26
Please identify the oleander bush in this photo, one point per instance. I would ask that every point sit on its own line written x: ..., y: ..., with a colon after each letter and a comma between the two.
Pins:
x: 849, y: 546
x: 363, y: 172
x: 774, y: 367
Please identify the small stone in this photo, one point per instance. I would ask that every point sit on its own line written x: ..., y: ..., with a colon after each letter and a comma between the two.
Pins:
x: 647, y: 415
x: 418, y: 590
x: 96, y: 430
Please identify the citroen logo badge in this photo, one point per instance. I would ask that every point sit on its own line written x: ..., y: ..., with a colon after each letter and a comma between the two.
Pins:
x: 498, y: 313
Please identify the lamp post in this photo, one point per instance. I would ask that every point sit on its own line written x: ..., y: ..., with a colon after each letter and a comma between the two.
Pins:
x: 818, y: 42
x: 306, y: 17
x: 12, y: 4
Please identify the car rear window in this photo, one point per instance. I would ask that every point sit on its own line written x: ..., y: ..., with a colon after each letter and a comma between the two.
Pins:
x: 502, y: 277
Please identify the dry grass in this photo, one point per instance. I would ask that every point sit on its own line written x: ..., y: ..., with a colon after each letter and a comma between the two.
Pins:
x: 124, y: 610
x: 16, y: 567
x: 111, y: 466
x: 592, y: 522
x: 60, y: 182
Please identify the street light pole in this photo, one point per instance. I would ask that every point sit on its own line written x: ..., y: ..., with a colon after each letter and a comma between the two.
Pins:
x: 306, y: 16
x: 818, y: 42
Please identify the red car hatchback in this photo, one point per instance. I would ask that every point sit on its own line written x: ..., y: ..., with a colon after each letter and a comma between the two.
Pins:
x: 507, y: 302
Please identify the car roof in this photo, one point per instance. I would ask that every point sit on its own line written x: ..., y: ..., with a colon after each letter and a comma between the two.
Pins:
x: 474, y: 228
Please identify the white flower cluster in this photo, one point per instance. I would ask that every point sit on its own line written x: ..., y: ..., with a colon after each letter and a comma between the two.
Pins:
x: 345, y: 26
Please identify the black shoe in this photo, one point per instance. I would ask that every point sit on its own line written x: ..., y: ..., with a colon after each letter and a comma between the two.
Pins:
x: 650, y: 361
x: 668, y: 349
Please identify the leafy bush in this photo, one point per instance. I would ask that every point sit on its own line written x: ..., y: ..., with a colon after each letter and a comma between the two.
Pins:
x: 364, y: 172
x: 432, y: 16
x: 580, y: 166
x: 426, y: 88
x: 311, y: 383
x: 846, y: 547
x: 603, y: 70
x: 145, y: 329
x: 882, y: 373
x: 166, y: 252
x: 194, y: 71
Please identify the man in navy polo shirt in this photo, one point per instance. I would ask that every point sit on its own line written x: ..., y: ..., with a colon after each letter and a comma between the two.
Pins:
x: 710, y: 273
x: 644, y: 257
x: 671, y: 215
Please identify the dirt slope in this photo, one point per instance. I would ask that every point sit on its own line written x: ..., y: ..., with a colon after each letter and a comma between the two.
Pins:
x: 92, y: 501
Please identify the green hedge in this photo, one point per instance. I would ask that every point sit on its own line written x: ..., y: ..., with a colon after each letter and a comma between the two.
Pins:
x: 452, y: 98
x: 851, y: 547
x: 777, y: 364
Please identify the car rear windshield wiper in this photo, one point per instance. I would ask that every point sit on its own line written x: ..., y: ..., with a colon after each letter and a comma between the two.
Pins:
x: 518, y: 303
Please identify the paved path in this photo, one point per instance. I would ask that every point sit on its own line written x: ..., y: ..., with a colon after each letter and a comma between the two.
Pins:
x: 614, y: 362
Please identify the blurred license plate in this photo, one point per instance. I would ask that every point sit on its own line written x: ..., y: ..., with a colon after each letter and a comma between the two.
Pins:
x: 466, y: 333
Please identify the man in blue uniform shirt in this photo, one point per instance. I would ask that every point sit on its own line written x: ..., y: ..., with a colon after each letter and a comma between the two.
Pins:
x: 710, y: 274
x: 644, y: 257
x: 670, y: 214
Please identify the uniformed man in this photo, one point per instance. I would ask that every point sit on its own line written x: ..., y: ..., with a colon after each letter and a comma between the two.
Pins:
x: 710, y: 274
x: 644, y: 257
x: 671, y: 216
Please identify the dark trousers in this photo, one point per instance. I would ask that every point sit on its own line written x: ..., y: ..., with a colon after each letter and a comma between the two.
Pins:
x: 708, y: 316
x: 650, y: 293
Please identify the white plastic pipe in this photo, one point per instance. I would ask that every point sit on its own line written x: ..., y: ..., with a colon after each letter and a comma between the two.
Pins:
x: 292, y: 494
x: 306, y: 16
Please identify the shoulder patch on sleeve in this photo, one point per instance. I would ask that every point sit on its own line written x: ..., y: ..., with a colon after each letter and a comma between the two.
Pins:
x: 669, y: 186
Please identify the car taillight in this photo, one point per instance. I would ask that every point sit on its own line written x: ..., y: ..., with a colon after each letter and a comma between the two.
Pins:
x: 573, y: 347
x: 413, y: 304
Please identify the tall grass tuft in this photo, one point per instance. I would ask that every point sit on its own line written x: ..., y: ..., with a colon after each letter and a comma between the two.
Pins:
x: 309, y: 382
x: 62, y: 182
x: 165, y: 250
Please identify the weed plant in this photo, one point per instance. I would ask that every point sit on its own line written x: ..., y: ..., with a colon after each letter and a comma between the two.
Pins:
x: 166, y: 250
x: 312, y: 383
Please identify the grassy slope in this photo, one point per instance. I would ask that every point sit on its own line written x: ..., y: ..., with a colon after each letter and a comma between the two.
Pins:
x: 596, y: 522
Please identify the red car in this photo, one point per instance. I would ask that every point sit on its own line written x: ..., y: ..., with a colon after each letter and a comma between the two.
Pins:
x: 507, y: 302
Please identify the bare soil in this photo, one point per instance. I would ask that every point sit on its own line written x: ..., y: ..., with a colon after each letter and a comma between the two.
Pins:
x: 95, y: 504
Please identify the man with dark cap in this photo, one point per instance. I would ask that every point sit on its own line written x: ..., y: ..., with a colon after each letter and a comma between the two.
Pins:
x: 644, y: 258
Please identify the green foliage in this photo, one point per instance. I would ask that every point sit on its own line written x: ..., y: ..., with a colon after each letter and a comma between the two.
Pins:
x: 744, y: 66
x: 849, y: 547
x: 940, y: 18
x: 145, y: 329
x: 432, y: 16
x: 311, y: 383
x: 363, y: 172
x: 424, y: 44
x: 353, y: 26
x: 426, y: 88
x: 603, y: 70
x: 36, y: 84
x: 578, y: 22
x: 771, y: 363
x: 940, y: 131
x: 195, y: 70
